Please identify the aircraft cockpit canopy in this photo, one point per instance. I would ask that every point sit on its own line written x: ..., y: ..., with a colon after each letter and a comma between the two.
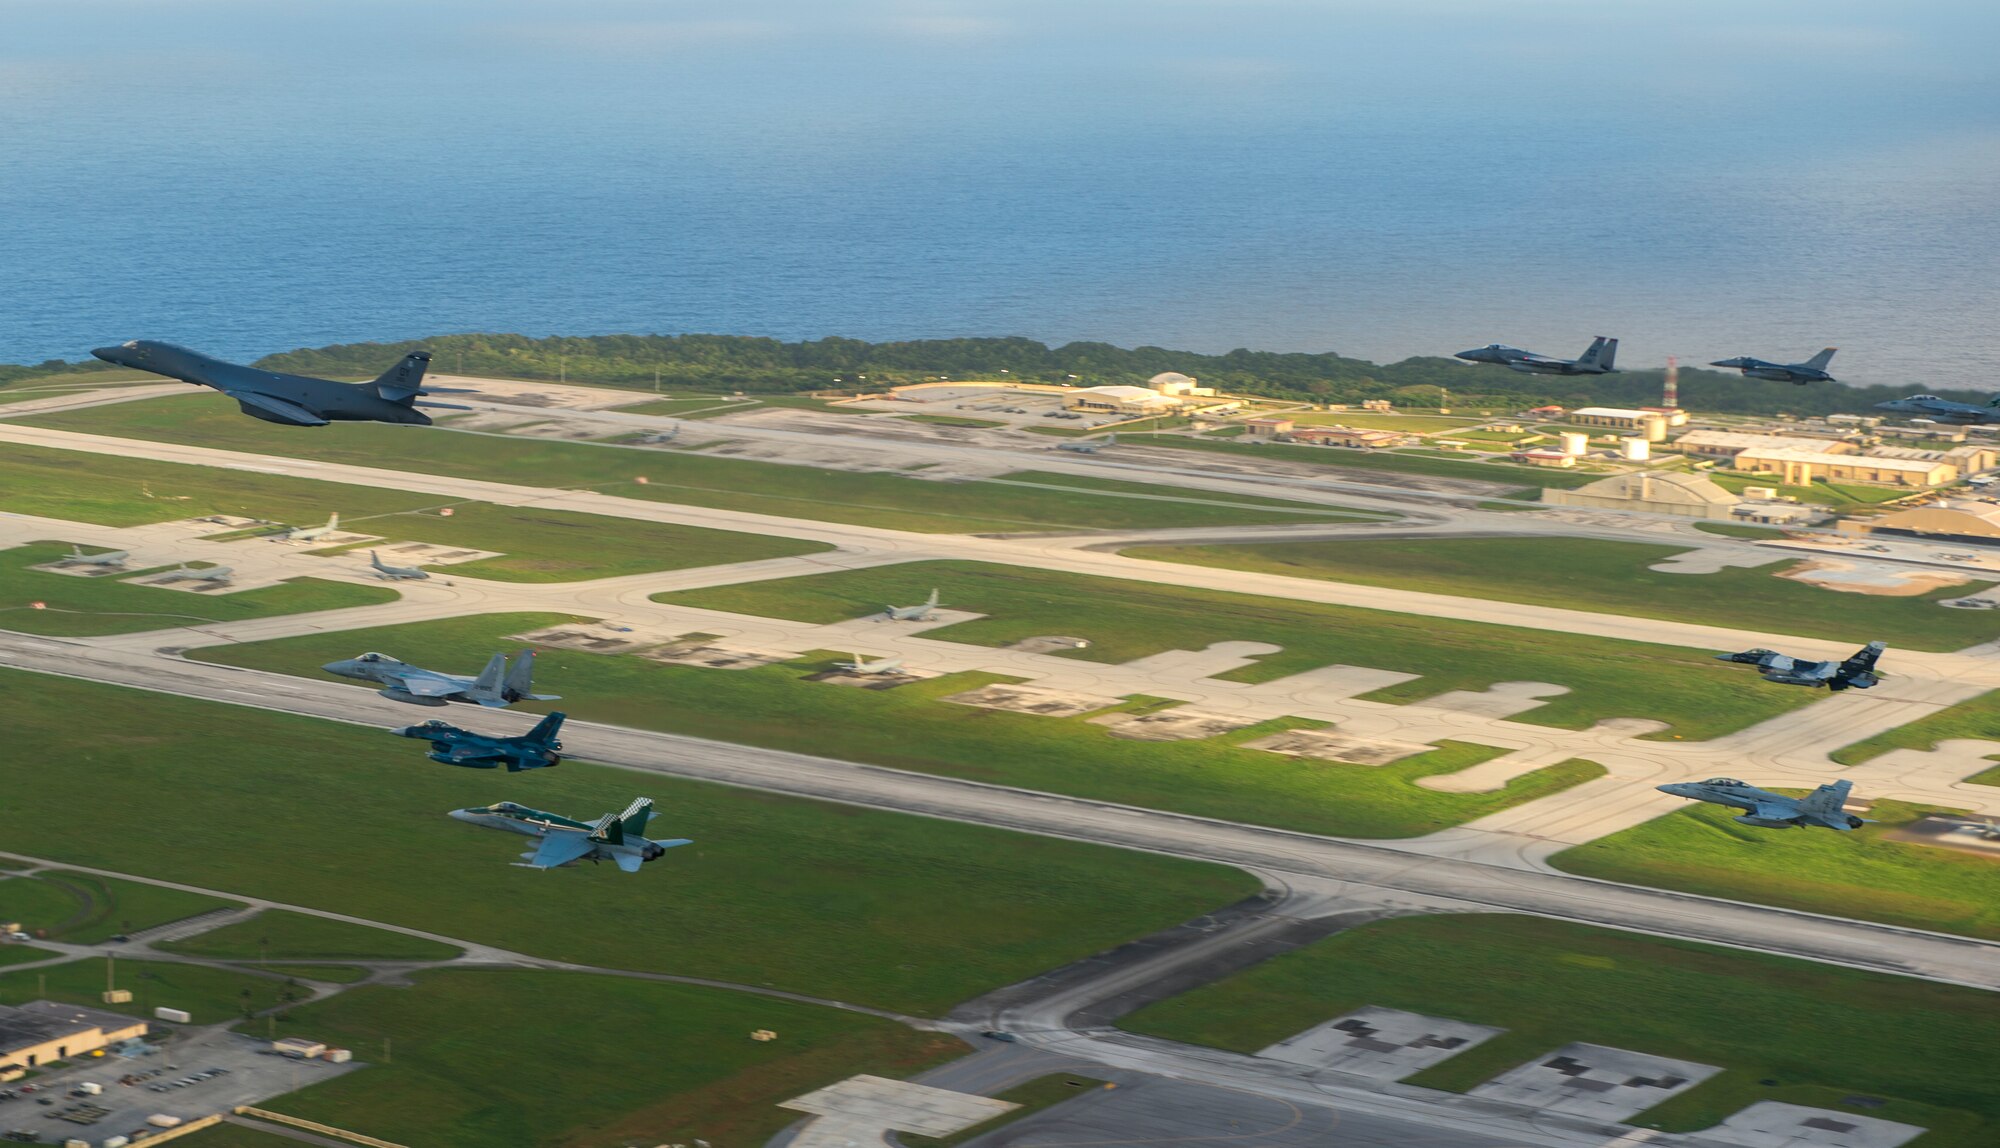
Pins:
x: 372, y: 657
x: 1725, y: 781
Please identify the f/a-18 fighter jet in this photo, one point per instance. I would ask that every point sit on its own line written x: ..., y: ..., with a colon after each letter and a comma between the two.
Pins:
x: 1857, y: 671
x: 615, y: 837
x: 1823, y: 807
x: 1944, y: 410
x: 496, y: 686
x: 451, y: 745
x: 1813, y: 370
x: 919, y: 613
x: 394, y: 573
x: 1596, y: 360
x: 293, y: 400
x: 76, y: 557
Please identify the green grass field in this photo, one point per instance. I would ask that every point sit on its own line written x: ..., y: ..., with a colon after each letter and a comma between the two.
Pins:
x: 337, y: 974
x: 209, y: 995
x: 1612, y: 578
x: 14, y: 953
x: 77, y: 606
x: 686, y: 477
x: 1696, y: 695
x: 1978, y: 718
x: 1037, y: 1095
x: 536, y: 544
x: 1739, y: 530
x: 1506, y: 474
x: 908, y: 728
x: 1861, y: 874
x: 1829, y: 1033
x: 1301, y: 511
x: 277, y: 934
x: 1448, y: 425
x: 656, y: 1063
x: 235, y: 1136
x: 1822, y: 492
x: 83, y: 908
x: 878, y: 908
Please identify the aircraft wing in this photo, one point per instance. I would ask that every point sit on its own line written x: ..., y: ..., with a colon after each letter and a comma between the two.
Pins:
x: 428, y: 686
x: 275, y: 409
x: 1774, y: 811
x: 561, y: 849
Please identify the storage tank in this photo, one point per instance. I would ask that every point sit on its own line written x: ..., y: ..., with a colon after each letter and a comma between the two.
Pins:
x: 1575, y: 443
x: 178, y: 1016
x: 1636, y: 449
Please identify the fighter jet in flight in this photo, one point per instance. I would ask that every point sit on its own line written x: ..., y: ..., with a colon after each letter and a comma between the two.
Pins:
x: 496, y: 687
x: 451, y: 745
x: 1596, y: 360
x: 76, y: 557
x: 922, y: 612
x: 615, y: 837
x: 866, y: 668
x: 186, y: 573
x: 1857, y: 671
x: 293, y: 400
x: 1944, y: 410
x: 1823, y: 807
x: 1089, y: 445
x: 308, y: 533
x: 393, y: 573
x: 1813, y: 370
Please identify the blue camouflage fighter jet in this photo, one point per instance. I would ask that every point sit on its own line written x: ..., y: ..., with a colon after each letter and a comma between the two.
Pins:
x: 536, y: 749
x: 1813, y: 370
x: 1823, y: 808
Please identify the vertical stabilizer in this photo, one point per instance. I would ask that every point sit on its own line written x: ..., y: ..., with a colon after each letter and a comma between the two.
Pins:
x: 632, y: 822
x: 488, y: 682
x: 608, y: 831
x: 1828, y: 802
x: 933, y: 599
x: 546, y: 729
x: 404, y: 381
x: 1818, y: 362
x: 520, y: 679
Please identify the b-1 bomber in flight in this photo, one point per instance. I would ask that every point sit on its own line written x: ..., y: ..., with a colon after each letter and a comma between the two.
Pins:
x: 536, y: 749
x: 1857, y: 671
x: 1595, y: 360
x: 1823, y: 808
x: 496, y: 687
x: 290, y: 400
x: 615, y: 837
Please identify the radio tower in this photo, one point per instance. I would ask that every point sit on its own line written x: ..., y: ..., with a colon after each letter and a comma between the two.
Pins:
x: 1672, y: 399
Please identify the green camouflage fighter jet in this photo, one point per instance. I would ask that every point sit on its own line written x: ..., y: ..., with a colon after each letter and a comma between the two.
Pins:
x: 618, y: 838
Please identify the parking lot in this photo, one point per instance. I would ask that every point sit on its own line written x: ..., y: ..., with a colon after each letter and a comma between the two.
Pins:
x: 194, y: 1074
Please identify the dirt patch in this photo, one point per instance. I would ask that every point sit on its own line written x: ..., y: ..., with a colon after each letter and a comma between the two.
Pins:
x: 852, y: 680
x: 1327, y: 745
x: 1171, y: 724
x: 1033, y: 700
x: 713, y: 657
x: 590, y: 639
x: 1885, y: 581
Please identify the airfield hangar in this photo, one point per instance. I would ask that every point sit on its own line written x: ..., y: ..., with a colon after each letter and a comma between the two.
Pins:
x: 1976, y: 522
x: 1686, y: 495
x: 39, y: 1032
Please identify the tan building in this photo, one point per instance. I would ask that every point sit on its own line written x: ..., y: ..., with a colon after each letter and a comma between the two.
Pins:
x: 1120, y: 400
x: 1803, y: 467
x: 1266, y: 427
x: 1675, y: 416
x: 1684, y: 495
x: 1178, y: 385
x: 39, y: 1032
x: 1949, y: 520
x: 1350, y: 436
x: 1651, y: 424
x: 1544, y: 457
x: 1728, y: 444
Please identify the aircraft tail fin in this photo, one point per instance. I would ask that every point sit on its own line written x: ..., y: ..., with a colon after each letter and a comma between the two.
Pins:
x: 1859, y: 668
x: 520, y: 679
x: 403, y: 382
x: 1111, y: 439
x: 332, y: 522
x: 488, y: 681
x: 933, y: 599
x: 608, y: 830
x: 1828, y: 806
x: 632, y: 822
x: 546, y: 729
x: 1600, y: 355
x: 1818, y: 362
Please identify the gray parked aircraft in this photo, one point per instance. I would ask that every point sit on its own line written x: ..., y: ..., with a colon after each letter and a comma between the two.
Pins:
x: 76, y: 557
x: 186, y: 573
x: 615, y: 837
x: 1595, y: 360
x: 921, y: 612
x: 1857, y: 671
x: 497, y: 686
x: 1823, y: 807
x: 294, y: 400
x: 308, y: 533
x: 1089, y: 445
x: 863, y: 666
x: 1813, y: 370
x: 392, y: 573
x: 1944, y: 410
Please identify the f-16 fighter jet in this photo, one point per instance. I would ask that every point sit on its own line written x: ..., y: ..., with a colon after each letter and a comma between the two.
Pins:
x: 615, y: 837
x: 1596, y: 360
x: 918, y: 613
x: 1813, y: 370
x: 1822, y: 807
x: 451, y: 745
x: 395, y: 573
x: 1858, y: 671
x: 76, y: 557
x: 294, y: 400
x: 496, y: 686
x: 1944, y: 410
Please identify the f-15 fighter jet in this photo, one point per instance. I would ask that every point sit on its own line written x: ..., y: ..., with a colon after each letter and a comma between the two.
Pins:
x: 615, y: 837
x: 1857, y: 671
x: 1823, y: 807
x: 451, y: 745
x: 1596, y: 360
x: 1944, y: 410
x: 496, y: 686
x: 1813, y: 370
x: 294, y: 400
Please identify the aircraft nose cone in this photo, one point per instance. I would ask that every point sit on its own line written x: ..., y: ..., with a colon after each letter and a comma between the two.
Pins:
x: 345, y: 666
x: 461, y: 815
x: 110, y: 354
x: 1677, y: 789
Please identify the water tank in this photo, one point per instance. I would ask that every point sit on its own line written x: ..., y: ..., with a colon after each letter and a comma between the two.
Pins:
x: 1636, y: 449
x: 1575, y: 443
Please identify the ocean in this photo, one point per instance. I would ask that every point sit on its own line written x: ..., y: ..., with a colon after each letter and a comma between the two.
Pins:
x: 1382, y: 180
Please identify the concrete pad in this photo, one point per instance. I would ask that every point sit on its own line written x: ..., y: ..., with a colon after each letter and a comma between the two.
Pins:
x: 1188, y: 665
x: 326, y: 541
x: 1771, y: 1124
x: 873, y: 1102
x: 591, y: 638
x: 872, y: 681
x: 714, y: 657
x: 431, y: 554
x: 1383, y: 1043
x: 1023, y: 699
x: 1608, y: 1084
x: 1956, y: 758
x: 84, y: 571
x: 1871, y: 577
x: 1501, y: 700
x: 1331, y: 745
x: 1047, y: 644
x: 1177, y: 724
x: 1707, y: 561
x: 1328, y: 684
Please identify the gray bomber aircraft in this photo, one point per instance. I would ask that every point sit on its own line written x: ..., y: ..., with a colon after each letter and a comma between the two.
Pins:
x: 920, y: 612
x: 496, y: 687
x: 1813, y: 370
x: 536, y: 749
x: 76, y: 557
x: 615, y: 837
x: 1823, y: 807
x: 1595, y: 360
x: 394, y: 573
x: 1944, y: 410
x: 1857, y: 671
x: 293, y: 400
